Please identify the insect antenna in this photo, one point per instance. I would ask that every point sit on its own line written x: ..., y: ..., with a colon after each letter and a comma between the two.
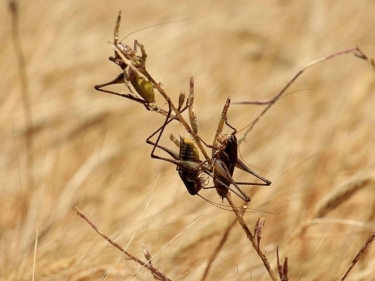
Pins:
x: 151, y: 26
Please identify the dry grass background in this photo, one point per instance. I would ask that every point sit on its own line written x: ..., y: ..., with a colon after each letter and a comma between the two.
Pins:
x: 89, y: 148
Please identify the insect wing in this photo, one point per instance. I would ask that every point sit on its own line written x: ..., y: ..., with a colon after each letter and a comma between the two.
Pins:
x: 224, y: 163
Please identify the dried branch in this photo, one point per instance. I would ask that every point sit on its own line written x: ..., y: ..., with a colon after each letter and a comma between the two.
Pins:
x: 252, y: 239
x: 282, y: 269
x: 358, y: 256
x: 147, y: 264
x: 356, y: 51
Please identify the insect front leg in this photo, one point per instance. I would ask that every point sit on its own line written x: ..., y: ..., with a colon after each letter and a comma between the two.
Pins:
x: 176, y: 160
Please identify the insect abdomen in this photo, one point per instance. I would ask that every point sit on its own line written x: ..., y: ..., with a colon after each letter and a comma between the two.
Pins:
x: 190, y: 177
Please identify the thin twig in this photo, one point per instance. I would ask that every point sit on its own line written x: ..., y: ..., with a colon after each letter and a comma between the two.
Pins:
x: 250, y: 236
x: 153, y: 270
x: 282, y: 269
x: 358, y: 256
x: 356, y: 51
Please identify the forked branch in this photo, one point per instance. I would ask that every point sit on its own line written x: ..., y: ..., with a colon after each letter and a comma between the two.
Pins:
x: 356, y: 51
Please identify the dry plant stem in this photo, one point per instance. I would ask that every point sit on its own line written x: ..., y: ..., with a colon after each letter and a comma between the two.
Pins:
x: 218, y: 248
x: 356, y: 51
x: 147, y: 265
x: 13, y: 7
x: 181, y: 119
x: 282, y: 269
x: 252, y: 239
x: 358, y: 256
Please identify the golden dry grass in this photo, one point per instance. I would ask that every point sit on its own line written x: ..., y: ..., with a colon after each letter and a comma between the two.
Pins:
x: 89, y: 148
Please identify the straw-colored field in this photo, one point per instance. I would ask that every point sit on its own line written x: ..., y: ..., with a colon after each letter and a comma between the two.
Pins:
x: 63, y: 144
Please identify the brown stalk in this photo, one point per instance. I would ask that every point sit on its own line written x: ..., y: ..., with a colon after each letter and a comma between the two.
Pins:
x: 358, y: 256
x: 356, y: 51
x: 282, y: 268
x: 252, y: 239
x: 147, y: 264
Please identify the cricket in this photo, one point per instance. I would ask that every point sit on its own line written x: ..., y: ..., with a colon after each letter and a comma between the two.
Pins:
x: 187, y: 141
x: 195, y: 168
x: 133, y: 69
x: 224, y: 157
